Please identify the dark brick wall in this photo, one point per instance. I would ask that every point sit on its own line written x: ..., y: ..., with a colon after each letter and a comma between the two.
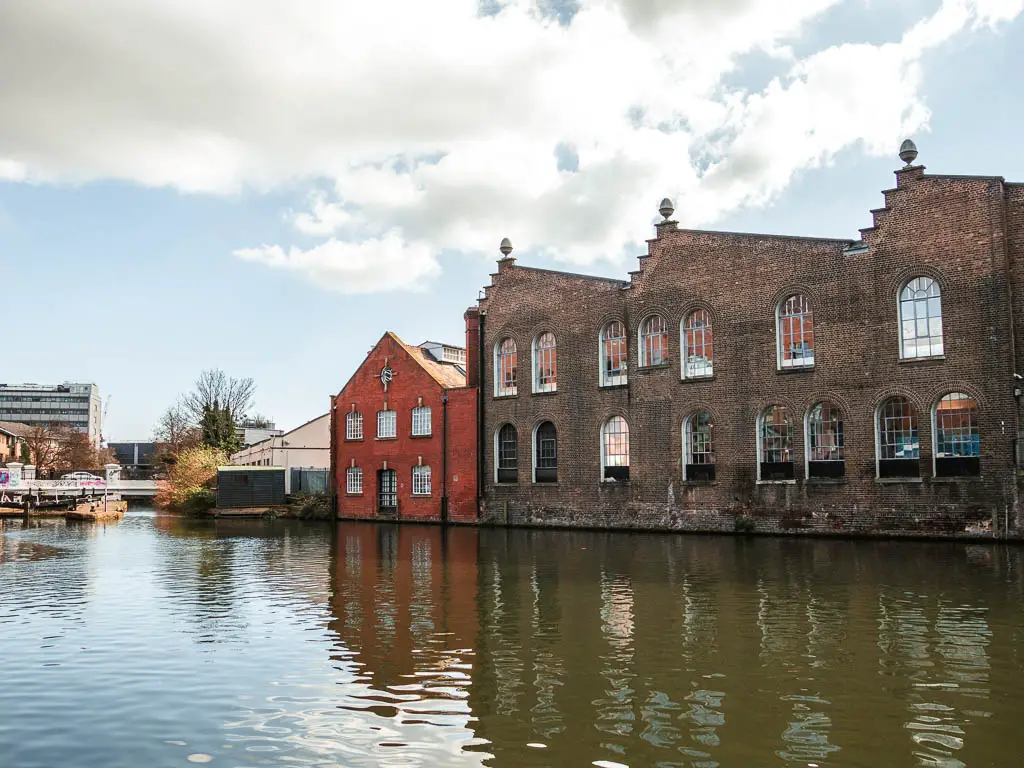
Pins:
x: 411, y: 382
x: 953, y: 229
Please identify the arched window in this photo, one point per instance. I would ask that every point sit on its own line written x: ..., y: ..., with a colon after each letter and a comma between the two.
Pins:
x: 615, y: 449
x: 698, y: 447
x: 353, y: 425
x: 545, y: 453
x: 920, y: 319
x: 505, y: 368
x: 545, y: 363
x: 421, y: 420
x: 653, y: 341
x: 698, y: 353
x: 899, y: 450
x: 613, y: 354
x: 506, y: 451
x: 354, y: 480
x: 775, y: 444
x: 826, y: 447
x: 796, y: 332
x: 957, y: 439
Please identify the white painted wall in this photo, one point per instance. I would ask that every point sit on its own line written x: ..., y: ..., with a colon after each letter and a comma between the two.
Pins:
x: 305, y: 446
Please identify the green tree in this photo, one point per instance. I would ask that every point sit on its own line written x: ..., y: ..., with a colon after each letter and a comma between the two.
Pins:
x: 218, y: 427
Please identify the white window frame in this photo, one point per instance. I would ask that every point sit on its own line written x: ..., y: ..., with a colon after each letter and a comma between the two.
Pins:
x: 760, y: 447
x: 354, y: 425
x: 421, y: 480
x: 354, y: 481
x: 641, y: 336
x: 604, y: 447
x: 383, y: 419
x: 687, y: 449
x: 793, y: 363
x: 900, y: 319
x: 708, y: 336
x: 497, y: 451
x: 421, y: 421
x: 500, y: 390
x: 935, y: 430
x: 878, y: 432
x: 535, y: 355
x: 807, y: 435
x: 606, y: 379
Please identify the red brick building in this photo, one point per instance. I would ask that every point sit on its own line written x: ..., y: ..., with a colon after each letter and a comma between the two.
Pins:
x: 403, y: 436
x: 779, y: 383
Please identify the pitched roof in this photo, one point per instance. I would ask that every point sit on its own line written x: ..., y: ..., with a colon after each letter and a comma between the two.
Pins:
x: 15, y: 428
x: 445, y: 374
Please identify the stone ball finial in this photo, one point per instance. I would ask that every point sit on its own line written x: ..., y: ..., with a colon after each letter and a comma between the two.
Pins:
x: 505, y: 247
x: 666, y: 209
x: 908, y: 152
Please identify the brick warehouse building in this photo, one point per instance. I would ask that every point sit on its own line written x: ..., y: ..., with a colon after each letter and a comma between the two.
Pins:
x: 403, y: 436
x: 746, y: 381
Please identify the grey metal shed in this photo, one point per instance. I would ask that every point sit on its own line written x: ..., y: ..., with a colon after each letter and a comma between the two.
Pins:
x: 239, y: 487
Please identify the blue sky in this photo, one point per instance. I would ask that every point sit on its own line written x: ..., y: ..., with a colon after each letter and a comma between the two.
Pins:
x: 182, y: 190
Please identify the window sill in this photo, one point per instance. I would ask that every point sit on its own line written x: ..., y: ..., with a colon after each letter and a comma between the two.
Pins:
x: 421, y: 437
x: 545, y: 392
x: 509, y: 485
x: 826, y: 481
x: 709, y: 377
x: 421, y: 495
x: 958, y: 479
x: 622, y: 385
x: 777, y: 482
x: 652, y: 368
x: 698, y: 483
x: 353, y: 495
x: 352, y: 440
x: 385, y: 439
x: 535, y: 484
x: 607, y: 482
x: 795, y: 369
x: 915, y: 360
x: 898, y: 480
x: 508, y: 396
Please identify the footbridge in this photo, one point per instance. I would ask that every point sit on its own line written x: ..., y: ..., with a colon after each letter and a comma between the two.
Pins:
x: 19, y: 479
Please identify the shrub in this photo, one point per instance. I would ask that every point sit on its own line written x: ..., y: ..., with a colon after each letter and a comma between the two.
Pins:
x: 744, y: 524
x: 190, y: 480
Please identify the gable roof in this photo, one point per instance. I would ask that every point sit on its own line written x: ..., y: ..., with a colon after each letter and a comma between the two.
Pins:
x: 445, y: 374
x: 15, y: 428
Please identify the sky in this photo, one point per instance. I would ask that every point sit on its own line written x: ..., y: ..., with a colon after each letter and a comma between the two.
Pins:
x: 266, y: 187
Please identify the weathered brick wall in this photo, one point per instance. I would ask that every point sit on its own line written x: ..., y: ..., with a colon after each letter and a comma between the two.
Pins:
x: 410, y: 383
x: 949, y: 228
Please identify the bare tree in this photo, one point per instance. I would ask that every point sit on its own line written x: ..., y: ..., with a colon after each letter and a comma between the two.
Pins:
x: 176, y: 429
x: 46, y: 445
x: 215, y: 390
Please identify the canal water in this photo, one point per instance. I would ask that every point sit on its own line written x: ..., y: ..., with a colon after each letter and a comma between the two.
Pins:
x: 159, y: 641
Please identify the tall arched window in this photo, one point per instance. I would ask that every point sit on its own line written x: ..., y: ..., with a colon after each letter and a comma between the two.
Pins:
x: 545, y: 363
x: 775, y: 444
x: 698, y: 447
x: 506, y: 452
x: 899, y: 450
x: 698, y: 353
x: 615, y: 449
x: 545, y: 453
x: 920, y: 319
x: 505, y: 368
x: 795, y: 332
x: 613, y: 354
x: 653, y: 341
x: 826, y: 448
x: 957, y: 439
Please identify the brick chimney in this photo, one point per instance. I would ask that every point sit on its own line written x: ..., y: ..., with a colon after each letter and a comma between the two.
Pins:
x: 472, y: 318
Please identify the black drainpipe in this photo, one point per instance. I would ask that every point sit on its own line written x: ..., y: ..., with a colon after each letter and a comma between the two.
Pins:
x: 444, y: 458
x: 480, y: 413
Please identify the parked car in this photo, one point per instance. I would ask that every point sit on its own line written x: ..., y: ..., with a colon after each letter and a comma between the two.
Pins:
x: 80, y: 476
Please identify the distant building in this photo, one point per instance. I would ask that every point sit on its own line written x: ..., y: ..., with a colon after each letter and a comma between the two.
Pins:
x: 404, y: 440
x: 307, y: 446
x: 134, y: 454
x: 250, y: 432
x: 73, y: 404
x: 11, y: 439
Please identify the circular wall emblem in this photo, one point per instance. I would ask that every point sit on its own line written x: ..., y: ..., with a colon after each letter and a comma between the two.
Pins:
x: 386, y: 374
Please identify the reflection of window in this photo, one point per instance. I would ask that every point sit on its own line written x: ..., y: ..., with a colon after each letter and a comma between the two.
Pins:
x: 505, y: 368
x: 613, y: 354
x: 920, y: 319
x: 354, y: 480
x: 387, y: 424
x: 653, y: 341
x: 775, y: 444
x: 698, y: 353
x: 545, y: 363
x: 698, y: 447
x: 825, y: 442
x: 354, y: 426
x: 957, y: 438
x: 508, y: 455
x: 545, y: 453
x: 615, y: 449
x: 899, y: 450
x: 421, y: 420
x: 421, y: 481
x: 796, y: 332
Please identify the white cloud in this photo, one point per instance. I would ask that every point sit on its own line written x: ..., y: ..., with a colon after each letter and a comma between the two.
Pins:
x: 438, y: 125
